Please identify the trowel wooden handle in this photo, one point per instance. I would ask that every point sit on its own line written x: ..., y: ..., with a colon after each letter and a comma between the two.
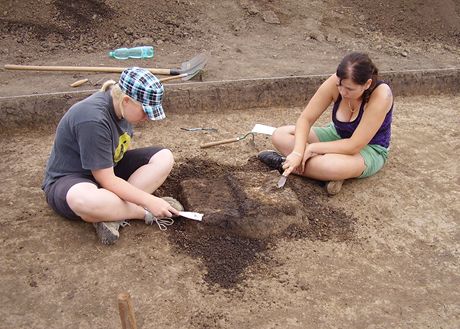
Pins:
x: 225, y: 141
x: 80, y: 69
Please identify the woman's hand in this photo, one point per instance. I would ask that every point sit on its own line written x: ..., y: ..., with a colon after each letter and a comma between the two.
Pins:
x: 296, y: 163
x: 307, y: 155
x: 293, y: 160
x: 160, y: 208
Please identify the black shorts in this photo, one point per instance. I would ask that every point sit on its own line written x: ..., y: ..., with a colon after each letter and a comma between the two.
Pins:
x: 56, y: 193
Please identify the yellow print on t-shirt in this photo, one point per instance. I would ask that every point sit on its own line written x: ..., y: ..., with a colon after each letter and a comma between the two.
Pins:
x: 123, y: 146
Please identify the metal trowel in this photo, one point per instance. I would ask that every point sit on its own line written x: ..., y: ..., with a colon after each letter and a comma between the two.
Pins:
x: 282, y: 180
x: 258, y: 129
x: 191, y: 215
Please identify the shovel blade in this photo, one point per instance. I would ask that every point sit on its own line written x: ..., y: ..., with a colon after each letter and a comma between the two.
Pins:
x: 193, y: 66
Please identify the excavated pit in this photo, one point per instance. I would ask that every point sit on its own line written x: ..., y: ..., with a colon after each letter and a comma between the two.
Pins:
x: 244, y: 215
x: 244, y: 203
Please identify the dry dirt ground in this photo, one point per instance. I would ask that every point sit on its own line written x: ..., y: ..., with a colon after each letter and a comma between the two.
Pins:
x: 242, y: 38
x: 384, y: 253
x: 381, y: 254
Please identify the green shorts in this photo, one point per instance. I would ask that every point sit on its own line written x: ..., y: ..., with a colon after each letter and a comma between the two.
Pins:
x: 374, y: 155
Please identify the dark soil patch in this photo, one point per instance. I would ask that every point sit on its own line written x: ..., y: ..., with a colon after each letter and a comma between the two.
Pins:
x: 96, y: 24
x: 226, y: 255
x: 410, y: 20
x: 81, y: 14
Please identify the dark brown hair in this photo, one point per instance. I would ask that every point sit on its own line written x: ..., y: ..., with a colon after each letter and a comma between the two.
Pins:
x: 359, y: 68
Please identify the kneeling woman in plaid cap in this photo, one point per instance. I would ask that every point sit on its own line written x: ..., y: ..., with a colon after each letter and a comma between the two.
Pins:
x: 91, y: 173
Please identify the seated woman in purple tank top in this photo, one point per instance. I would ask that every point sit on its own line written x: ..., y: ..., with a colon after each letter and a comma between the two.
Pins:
x: 355, y: 144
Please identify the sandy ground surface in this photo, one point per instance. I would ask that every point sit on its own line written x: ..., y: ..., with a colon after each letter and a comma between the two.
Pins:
x: 383, y: 253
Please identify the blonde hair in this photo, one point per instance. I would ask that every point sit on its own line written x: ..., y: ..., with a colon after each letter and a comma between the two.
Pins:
x: 117, y: 93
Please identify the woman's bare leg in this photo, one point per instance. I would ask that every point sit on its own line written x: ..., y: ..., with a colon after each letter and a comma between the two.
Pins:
x: 283, y: 139
x: 94, y: 204
x: 333, y: 167
x: 152, y: 175
x: 327, y: 167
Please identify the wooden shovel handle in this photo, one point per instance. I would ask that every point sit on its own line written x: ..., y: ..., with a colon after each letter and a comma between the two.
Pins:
x: 172, y: 77
x: 83, y: 69
x: 225, y: 141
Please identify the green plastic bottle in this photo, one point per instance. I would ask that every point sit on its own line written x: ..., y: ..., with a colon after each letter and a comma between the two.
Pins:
x: 136, y: 52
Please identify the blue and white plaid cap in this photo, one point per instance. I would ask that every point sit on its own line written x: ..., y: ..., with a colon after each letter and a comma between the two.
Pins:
x: 141, y: 85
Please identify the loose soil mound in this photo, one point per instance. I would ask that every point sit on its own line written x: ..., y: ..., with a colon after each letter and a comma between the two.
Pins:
x: 98, y: 24
x: 225, y: 250
x: 243, y: 38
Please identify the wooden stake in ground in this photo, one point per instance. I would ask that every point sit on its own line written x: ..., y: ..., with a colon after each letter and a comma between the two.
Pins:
x: 125, y: 306
x: 79, y: 83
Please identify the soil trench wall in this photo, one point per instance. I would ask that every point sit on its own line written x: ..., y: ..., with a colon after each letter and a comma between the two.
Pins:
x: 220, y: 96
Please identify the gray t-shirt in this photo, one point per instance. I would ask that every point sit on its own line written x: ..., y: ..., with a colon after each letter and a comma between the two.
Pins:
x: 88, y: 137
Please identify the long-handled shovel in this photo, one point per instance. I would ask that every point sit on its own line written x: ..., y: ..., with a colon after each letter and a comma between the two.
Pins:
x: 78, y: 83
x: 258, y: 128
x: 172, y: 77
x: 187, y: 69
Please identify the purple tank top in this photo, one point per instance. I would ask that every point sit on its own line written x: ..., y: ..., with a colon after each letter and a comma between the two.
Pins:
x: 346, y: 129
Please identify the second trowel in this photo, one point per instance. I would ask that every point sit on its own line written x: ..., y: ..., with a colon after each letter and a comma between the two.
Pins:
x: 258, y: 129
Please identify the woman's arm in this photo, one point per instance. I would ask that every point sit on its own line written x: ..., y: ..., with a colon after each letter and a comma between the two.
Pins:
x: 315, y: 107
x: 127, y: 192
x: 376, y: 109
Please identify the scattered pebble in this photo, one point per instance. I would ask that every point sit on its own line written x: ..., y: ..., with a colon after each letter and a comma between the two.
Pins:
x: 270, y: 17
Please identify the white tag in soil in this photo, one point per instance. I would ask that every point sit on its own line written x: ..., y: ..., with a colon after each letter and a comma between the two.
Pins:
x: 191, y: 215
x: 263, y: 129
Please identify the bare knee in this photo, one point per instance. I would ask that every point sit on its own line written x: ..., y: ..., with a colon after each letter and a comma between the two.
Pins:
x: 333, y: 167
x: 164, y: 158
x: 81, y: 200
x: 283, y: 139
x: 277, y: 136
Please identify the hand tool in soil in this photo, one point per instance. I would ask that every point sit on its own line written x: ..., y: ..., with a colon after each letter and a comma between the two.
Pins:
x: 258, y: 128
x: 187, y: 69
x: 199, y: 129
x: 191, y: 215
x: 230, y: 140
x: 282, y: 180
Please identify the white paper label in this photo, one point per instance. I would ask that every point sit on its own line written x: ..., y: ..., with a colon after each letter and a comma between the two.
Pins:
x: 263, y: 129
